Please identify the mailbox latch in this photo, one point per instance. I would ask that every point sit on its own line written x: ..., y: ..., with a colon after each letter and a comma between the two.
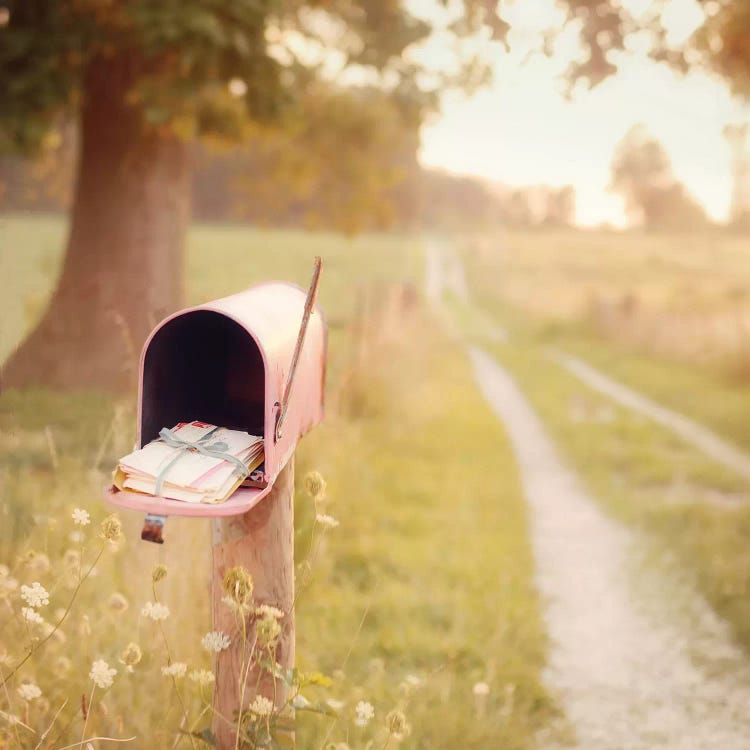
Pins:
x: 153, y: 526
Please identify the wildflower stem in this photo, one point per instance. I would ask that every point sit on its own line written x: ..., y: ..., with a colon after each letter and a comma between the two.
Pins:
x: 244, y: 672
x: 242, y: 683
x: 312, y: 556
x: 184, y: 715
x: 206, y: 708
x: 183, y: 708
x: 46, y: 732
x: 13, y: 723
x: 88, y: 713
x: 329, y: 733
x: 356, y: 635
x: 97, y: 739
x: 33, y: 650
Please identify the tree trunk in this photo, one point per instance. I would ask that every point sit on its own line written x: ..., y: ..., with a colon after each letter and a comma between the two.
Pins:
x: 124, y: 261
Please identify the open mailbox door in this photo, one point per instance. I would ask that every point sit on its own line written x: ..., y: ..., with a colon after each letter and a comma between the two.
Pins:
x: 228, y: 363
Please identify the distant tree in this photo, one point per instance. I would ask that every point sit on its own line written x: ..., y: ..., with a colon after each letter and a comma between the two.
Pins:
x: 450, y: 201
x: 146, y: 78
x: 537, y: 205
x: 560, y: 210
x: 516, y: 209
x: 642, y: 174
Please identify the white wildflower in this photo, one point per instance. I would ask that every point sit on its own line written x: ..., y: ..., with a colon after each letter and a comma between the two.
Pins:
x: 155, y: 611
x: 31, y: 615
x: 29, y: 691
x: 202, y: 676
x: 216, y: 641
x: 365, y: 713
x: 481, y: 689
x: 413, y: 681
x: 35, y: 595
x: 76, y: 536
x: 81, y: 517
x: 102, y: 674
x: 335, y: 704
x: 269, y: 611
x: 177, y: 669
x: 325, y: 520
x: 237, y: 87
x: 300, y: 702
x: 261, y: 706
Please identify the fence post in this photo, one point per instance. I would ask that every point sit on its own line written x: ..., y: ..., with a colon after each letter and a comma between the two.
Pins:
x: 262, y: 541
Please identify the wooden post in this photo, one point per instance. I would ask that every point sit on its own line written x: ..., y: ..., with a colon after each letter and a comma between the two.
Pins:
x: 262, y: 541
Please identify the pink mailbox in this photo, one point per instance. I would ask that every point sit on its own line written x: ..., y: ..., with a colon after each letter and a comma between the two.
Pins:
x: 229, y: 363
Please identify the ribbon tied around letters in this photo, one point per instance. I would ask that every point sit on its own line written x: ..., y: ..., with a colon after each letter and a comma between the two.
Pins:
x: 204, y: 446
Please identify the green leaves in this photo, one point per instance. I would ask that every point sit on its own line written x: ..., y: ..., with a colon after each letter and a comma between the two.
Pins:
x: 183, y: 54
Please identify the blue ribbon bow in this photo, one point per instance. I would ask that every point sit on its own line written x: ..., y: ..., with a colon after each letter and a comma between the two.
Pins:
x: 203, y: 446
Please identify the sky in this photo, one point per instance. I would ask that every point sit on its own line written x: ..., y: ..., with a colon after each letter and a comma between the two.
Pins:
x: 522, y: 130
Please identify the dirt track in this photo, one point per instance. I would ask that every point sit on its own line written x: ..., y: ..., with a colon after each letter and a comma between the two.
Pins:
x: 702, y: 438
x: 638, y: 660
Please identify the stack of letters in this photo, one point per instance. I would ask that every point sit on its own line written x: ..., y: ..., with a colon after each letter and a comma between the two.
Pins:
x: 194, y: 462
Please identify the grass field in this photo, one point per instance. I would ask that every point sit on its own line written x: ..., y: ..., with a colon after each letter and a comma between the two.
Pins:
x: 427, y: 577
x: 667, y: 314
x: 697, y: 512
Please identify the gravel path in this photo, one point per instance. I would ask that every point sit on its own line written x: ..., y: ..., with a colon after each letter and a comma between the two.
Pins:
x: 444, y: 273
x: 704, y: 439
x: 638, y: 661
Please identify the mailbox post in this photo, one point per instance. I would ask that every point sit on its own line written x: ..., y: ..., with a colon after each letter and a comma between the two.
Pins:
x: 254, y: 361
x: 263, y: 542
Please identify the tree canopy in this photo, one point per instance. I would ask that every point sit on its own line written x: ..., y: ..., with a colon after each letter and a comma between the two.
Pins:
x: 204, y: 67
x: 719, y: 42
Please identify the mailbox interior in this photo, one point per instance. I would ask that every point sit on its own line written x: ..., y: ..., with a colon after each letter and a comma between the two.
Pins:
x: 202, y: 365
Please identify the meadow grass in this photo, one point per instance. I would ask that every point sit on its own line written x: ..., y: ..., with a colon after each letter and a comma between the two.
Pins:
x: 696, y: 512
x: 691, y: 286
x: 429, y: 575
